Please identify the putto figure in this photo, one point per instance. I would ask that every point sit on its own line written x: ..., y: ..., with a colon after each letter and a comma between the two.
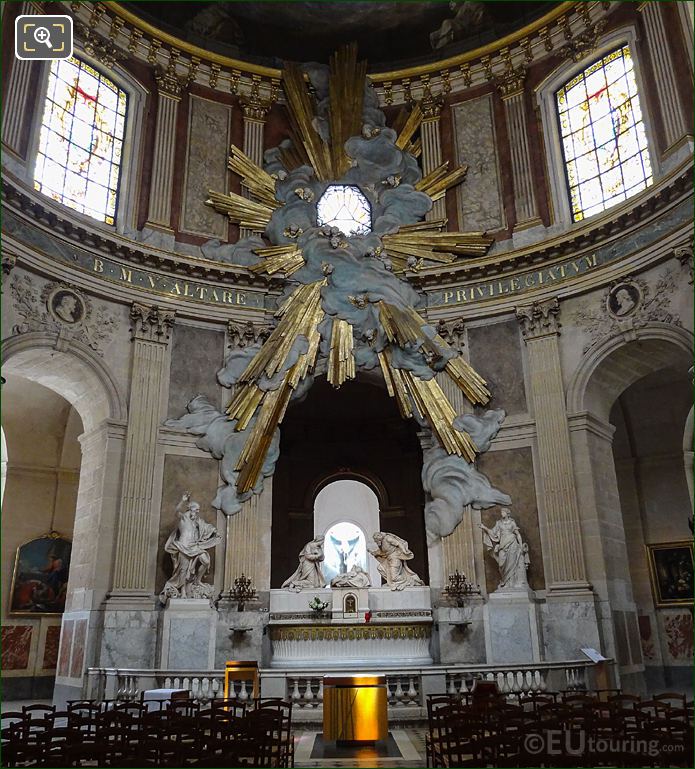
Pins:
x: 392, y: 552
x: 188, y: 544
x: 504, y: 543
x: 309, y: 574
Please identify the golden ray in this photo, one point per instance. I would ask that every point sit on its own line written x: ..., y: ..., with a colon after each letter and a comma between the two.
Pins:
x: 409, y: 129
x: 346, y: 97
x: 395, y: 385
x: 467, y: 379
x: 286, y: 259
x: 341, y: 359
x: 436, y: 246
x: 437, y: 182
x: 435, y: 407
x: 259, y: 183
x: 240, y: 210
x: 301, y: 118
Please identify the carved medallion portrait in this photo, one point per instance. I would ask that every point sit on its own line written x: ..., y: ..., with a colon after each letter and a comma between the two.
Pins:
x: 67, y: 306
x: 623, y: 299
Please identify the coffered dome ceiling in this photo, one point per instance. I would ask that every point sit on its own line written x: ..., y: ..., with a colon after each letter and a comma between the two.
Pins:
x: 386, y: 32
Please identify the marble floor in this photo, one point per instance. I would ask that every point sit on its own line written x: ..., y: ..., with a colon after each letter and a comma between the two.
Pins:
x: 405, y: 748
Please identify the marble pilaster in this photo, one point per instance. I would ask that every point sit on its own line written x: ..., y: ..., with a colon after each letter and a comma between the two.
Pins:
x: 170, y: 87
x: 430, y: 133
x: 151, y: 328
x: 255, y: 111
x: 540, y: 329
x: 512, y: 94
x: 671, y: 109
x: 15, y: 106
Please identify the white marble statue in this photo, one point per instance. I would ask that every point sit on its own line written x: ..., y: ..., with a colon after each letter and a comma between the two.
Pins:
x: 309, y: 574
x: 355, y: 577
x: 188, y: 544
x: 392, y: 552
x: 506, y: 546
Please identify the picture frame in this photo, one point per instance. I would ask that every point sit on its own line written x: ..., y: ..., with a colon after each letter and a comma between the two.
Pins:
x: 671, y: 573
x: 40, y: 576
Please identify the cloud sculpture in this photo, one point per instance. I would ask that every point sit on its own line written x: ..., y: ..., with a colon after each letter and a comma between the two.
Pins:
x: 451, y: 483
x: 219, y: 437
x: 352, y: 294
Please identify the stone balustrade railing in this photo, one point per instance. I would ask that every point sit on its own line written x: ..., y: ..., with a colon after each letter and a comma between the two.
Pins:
x: 407, y: 687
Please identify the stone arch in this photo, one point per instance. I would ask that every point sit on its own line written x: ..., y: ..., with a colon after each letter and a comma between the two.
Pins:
x: 688, y: 453
x: 72, y: 370
x: 619, y: 361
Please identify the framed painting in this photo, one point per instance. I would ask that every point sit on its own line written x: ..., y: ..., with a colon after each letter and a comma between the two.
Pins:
x: 40, y: 576
x: 671, y: 573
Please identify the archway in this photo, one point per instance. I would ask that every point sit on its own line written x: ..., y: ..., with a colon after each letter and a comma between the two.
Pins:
x: 74, y: 372
x: 611, y: 380
x: 41, y: 429
x: 354, y: 433
x: 347, y: 512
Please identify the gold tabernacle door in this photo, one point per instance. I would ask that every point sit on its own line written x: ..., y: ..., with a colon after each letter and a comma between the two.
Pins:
x: 355, y: 708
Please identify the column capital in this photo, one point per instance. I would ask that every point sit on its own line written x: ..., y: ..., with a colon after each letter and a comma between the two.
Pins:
x: 150, y: 323
x: 242, y: 335
x: 431, y: 106
x: 170, y: 83
x: 254, y: 108
x: 539, y: 319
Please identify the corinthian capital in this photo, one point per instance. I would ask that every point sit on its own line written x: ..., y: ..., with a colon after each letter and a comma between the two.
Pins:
x: 539, y: 319
x: 151, y: 323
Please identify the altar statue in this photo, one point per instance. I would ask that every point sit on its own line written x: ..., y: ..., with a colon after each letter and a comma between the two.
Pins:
x: 504, y: 542
x: 309, y: 574
x: 188, y: 544
x: 356, y: 577
x: 392, y: 552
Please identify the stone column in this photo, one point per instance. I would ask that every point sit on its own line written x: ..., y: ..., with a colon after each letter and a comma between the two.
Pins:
x: 432, y: 146
x: 540, y: 329
x: 665, y: 73
x: 511, y: 89
x: 151, y: 331
x: 170, y: 88
x: 255, y: 111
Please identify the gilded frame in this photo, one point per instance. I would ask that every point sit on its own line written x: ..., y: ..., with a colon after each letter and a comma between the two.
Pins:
x: 667, y: 561
x: 40, y: 576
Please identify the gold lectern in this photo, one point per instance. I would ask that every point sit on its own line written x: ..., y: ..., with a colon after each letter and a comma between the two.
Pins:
x: 235, y: 670
x: 355, y: 708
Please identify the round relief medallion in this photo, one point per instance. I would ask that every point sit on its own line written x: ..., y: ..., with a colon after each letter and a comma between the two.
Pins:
x: 66, y: 306
x: 623, y: 299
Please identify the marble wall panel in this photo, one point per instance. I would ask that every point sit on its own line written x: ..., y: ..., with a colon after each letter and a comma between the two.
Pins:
x: 208, y: 149
x: 199, y: 476
x: 633, y: 637
x: 480, y: 205
x: 16, y: 644
x: 622, y: 648
x: 646, y: 633
x: 196, y: 356
x: 78, y: 647
x: 65, y: 648
x: 495, y: 353
x: 511, y: 471
x: 50, y: 649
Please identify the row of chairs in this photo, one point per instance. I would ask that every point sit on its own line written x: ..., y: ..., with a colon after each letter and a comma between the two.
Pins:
x: 556, y: 729
x: 181, y: 733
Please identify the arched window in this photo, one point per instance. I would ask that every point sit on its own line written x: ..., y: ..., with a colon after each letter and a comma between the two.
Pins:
x: 81, y: 142
x: 603, y: 135
x: 345, y: 207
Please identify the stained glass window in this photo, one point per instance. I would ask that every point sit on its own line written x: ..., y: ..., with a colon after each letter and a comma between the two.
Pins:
x: 345, y: 207
x: 81, y: 142
x: 603, y: 136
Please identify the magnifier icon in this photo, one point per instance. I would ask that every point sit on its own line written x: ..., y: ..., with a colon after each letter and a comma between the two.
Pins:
x: 42, y: 35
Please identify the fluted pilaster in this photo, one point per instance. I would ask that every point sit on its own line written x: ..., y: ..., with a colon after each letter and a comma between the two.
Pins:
x: 540, y: 329
x: 151, y: 328
x: 15, y: 107
x: 522, y: 175
x: 666, y: 90
x: 255, y: 111
x: 430, y: 135
x: 159, y: 213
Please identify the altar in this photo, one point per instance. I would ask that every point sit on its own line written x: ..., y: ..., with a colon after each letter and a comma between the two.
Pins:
x: 387, y: 627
